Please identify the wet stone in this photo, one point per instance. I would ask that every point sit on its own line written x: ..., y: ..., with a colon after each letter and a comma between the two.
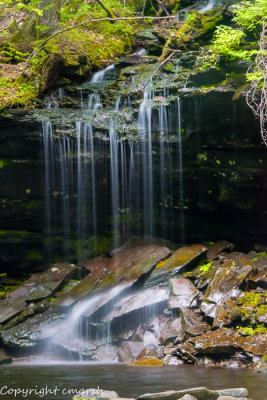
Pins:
x: 225, y: 284
x: 215, y: 249
x: 181, y: 260
x: 193, y: 324
x: 129, y: 351
x: 228, y: 341
x: 183, y: 293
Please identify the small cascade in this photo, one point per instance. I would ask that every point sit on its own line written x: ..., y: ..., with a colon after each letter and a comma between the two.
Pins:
x: 209, y: 6
x: 101, y: 184
x: 101, y: 75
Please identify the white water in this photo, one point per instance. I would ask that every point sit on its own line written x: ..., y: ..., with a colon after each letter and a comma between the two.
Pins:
x: 99, y: 186
x: 100, y: 75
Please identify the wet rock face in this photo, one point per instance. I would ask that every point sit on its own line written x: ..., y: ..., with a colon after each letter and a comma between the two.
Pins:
x: 225, y: 284
x: 183, y: 292
x: 225, y: 341
x: 179, y: 261
x: 37, y: 287
x: 192, y: 324
x: 125, y: 267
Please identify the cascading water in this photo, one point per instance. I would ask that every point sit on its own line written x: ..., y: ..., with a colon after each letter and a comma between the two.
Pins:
x: 98, y: 185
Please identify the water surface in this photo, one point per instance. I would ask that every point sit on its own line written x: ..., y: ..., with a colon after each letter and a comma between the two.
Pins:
x: 126, y: 381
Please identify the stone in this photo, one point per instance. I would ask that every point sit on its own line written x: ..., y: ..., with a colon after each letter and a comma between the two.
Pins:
x: 96, y: 394
x: 151, y: 351
x: 188, y: 397
x: 200, y: 393
x: 33, y: 331
x: 141, y: 300
x: 228, y: 341
x: 180, y: 260
x: 171, y: 331
x: 129, y: 351
x: 124, y: 268
x: 236, y: 392
x: 225, y: 284
x: 215, y: 249
x: 37, y: 287
x: 107, y: 353
x: 231, y: 398
x: 172, y: 360
x: 192, y: 324
x: 183, y: 293
x: 259, y: 280
x: 147, y: 362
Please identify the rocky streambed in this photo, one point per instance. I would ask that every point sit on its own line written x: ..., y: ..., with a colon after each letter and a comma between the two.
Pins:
x: 149, y: 305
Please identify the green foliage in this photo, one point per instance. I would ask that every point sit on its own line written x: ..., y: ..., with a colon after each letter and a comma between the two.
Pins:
x: 15, y: 92
x: 249, y: 15
x: 192, y: 19
x: 205, y: 267
x: 8, y: 50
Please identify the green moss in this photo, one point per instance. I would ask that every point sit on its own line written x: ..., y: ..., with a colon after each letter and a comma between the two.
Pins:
x: 205, y: 267
x: 15, y: 92
x: 34, y: 255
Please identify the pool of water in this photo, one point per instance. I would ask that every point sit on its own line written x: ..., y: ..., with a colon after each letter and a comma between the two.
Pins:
x: 56, y: 381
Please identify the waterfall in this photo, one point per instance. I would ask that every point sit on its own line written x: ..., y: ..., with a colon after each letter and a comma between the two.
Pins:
x: 100, y: 75
x: 208, y: 6
x: 181, y: 172
x: 103, y: 184
x: 145, y: 123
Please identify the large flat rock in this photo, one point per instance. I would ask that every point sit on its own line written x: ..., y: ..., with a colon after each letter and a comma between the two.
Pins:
x: 228, y: 341
x: 138, y: 301
x: 37, y: 287
x: 200, y: 393
x: 122, y: 270
x: 179, y: 261
x: 33, y: 331
x: 183, y: 293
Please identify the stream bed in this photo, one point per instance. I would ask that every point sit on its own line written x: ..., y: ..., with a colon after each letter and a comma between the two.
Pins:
x: 125, y: 380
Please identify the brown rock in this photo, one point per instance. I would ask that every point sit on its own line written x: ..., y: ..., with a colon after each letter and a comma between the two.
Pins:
x: 183, y: 293
x: 192, y: 324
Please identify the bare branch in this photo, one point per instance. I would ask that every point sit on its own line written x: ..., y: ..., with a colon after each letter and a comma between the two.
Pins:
x: 257, y: 95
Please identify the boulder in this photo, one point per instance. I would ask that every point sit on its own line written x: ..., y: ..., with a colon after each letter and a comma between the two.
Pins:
x: 183, y: 293
x: 33, y: 331
x: 193, y: 324
x: 227, y: 341
x: 188, y: 397
x: 225, y: 284
x: 171, y: 330
x: 143, y: 299
x: 129, y: 351
x: 124, y: 268
x: 96, y: 394
x: 179, y: 261
x: 215, y: 249
x: 37, y: 287
x: 236, y: 392
x: 259, y: 280
x: 200, y: 393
